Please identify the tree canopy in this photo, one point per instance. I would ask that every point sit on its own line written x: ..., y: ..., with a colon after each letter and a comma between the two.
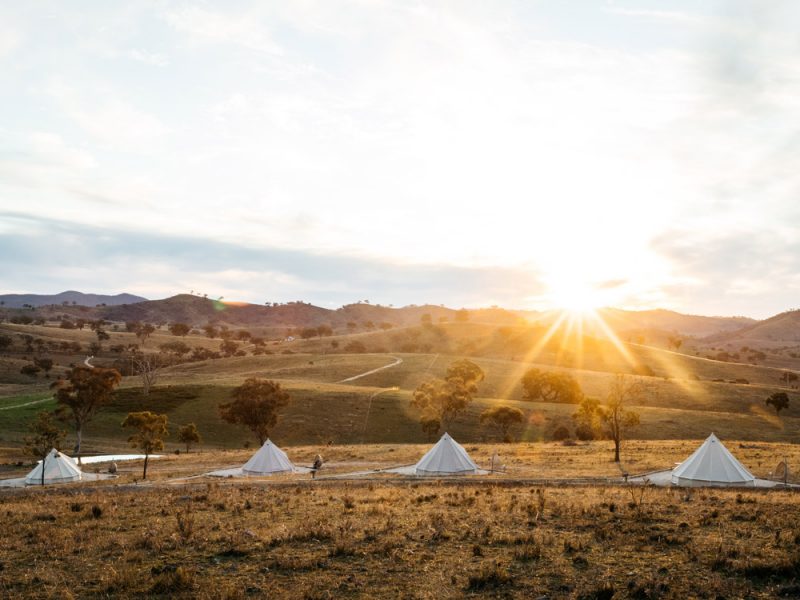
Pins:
x: 150, y: 431
x: 83, y: 393
x: 779, y: 401
x: 442, y: 400
x: 188, y: 435
x: 551, y: 387
x: 179, y: 329
x: 256, y: 405
x: 502, y: 418
x: 45, y: 436
x: 611, y: 419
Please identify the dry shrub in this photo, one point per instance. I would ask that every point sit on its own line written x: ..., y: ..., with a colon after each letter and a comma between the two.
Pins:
x: 172, y: 580
x: 185, y: 523
x: 490, y: 577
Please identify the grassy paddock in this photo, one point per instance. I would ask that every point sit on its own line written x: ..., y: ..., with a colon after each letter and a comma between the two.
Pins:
x: 414, y: 540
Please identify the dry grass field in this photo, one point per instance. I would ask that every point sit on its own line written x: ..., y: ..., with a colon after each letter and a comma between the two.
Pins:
x: 558, y: 522
x: 425, y: 539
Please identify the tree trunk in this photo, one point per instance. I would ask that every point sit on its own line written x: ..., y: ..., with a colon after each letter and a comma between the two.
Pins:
x: 144, y: 475
x: 616, y: 451
x: 79, y: 440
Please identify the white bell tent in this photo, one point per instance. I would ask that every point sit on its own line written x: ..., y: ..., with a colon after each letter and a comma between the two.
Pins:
x: 58, y: 468
x: 268, y: 460
x: 447, y: 457
x: 712, y: 464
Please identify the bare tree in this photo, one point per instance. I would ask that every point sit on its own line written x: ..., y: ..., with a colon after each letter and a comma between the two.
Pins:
x: 148, y: 367
x: 615, y: 415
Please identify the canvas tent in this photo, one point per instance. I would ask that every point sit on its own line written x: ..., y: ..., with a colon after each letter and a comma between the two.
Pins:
x: 712, y: 464
x: 58, y: 468
x: 447, y: 457
x: 268, y: 460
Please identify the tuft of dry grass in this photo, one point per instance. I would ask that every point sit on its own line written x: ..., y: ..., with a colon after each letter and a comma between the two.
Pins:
x: 471, y: 537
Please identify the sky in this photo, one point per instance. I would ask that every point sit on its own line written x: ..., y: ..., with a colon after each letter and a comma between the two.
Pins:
x: 529, y: 154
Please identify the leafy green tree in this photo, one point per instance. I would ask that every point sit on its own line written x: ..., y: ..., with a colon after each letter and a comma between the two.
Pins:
x: 430, y: 424
x: 442, y: 400
x: 256, y: 405
x: 779, y: 401
x: 228, y: 348
x: 179, y: 329
x: 45, y: 364
x: 150, y: 431
x: 502, y: 418
x: 551, y: 387
x: 467, y: 372
x: 144, y: 331
x: 587, y: 420
x: 46, y: 436
x: 82, y: 394
x: 355, y: 347
x: 30, y: 370
x: 308, y: 332
x: 188, y: 435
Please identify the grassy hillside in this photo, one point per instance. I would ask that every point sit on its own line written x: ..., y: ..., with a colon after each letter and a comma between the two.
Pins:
x: 376, y: 408
x: 780, y: 329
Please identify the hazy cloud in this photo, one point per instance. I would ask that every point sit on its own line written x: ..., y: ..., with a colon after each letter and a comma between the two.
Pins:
x: 58, y: 254
x: 332, y: 150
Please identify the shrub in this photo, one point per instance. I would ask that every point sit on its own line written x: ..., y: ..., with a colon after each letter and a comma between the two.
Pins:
x: 561, y: 433
x: 355, y: 347
x: 584, y: 433
x: 489, y: 578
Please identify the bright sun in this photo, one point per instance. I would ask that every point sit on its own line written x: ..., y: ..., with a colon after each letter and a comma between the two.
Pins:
x: 575, y: 296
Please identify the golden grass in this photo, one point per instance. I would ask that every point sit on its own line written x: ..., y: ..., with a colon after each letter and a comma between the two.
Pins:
x: 424, y: 539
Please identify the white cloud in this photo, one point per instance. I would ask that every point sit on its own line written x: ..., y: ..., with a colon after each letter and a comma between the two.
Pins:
x: 106, y: 116
x: 240, y: 29
x: 462, y: 133
x: 150, y: 58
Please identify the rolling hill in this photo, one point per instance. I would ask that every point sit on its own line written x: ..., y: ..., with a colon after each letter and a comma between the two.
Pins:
x: 198, y: 311
x: 783, y: 328
x: 69, y: 297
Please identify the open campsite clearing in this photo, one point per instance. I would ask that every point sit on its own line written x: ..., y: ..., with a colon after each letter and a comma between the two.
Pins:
x: 340, y: 539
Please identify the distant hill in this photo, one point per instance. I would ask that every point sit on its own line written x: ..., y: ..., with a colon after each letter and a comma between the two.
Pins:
x: 780, y: 329
x: 654, y: 323
x: 670, y: 321
x: 71, y: 297
x: 198, y: 311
